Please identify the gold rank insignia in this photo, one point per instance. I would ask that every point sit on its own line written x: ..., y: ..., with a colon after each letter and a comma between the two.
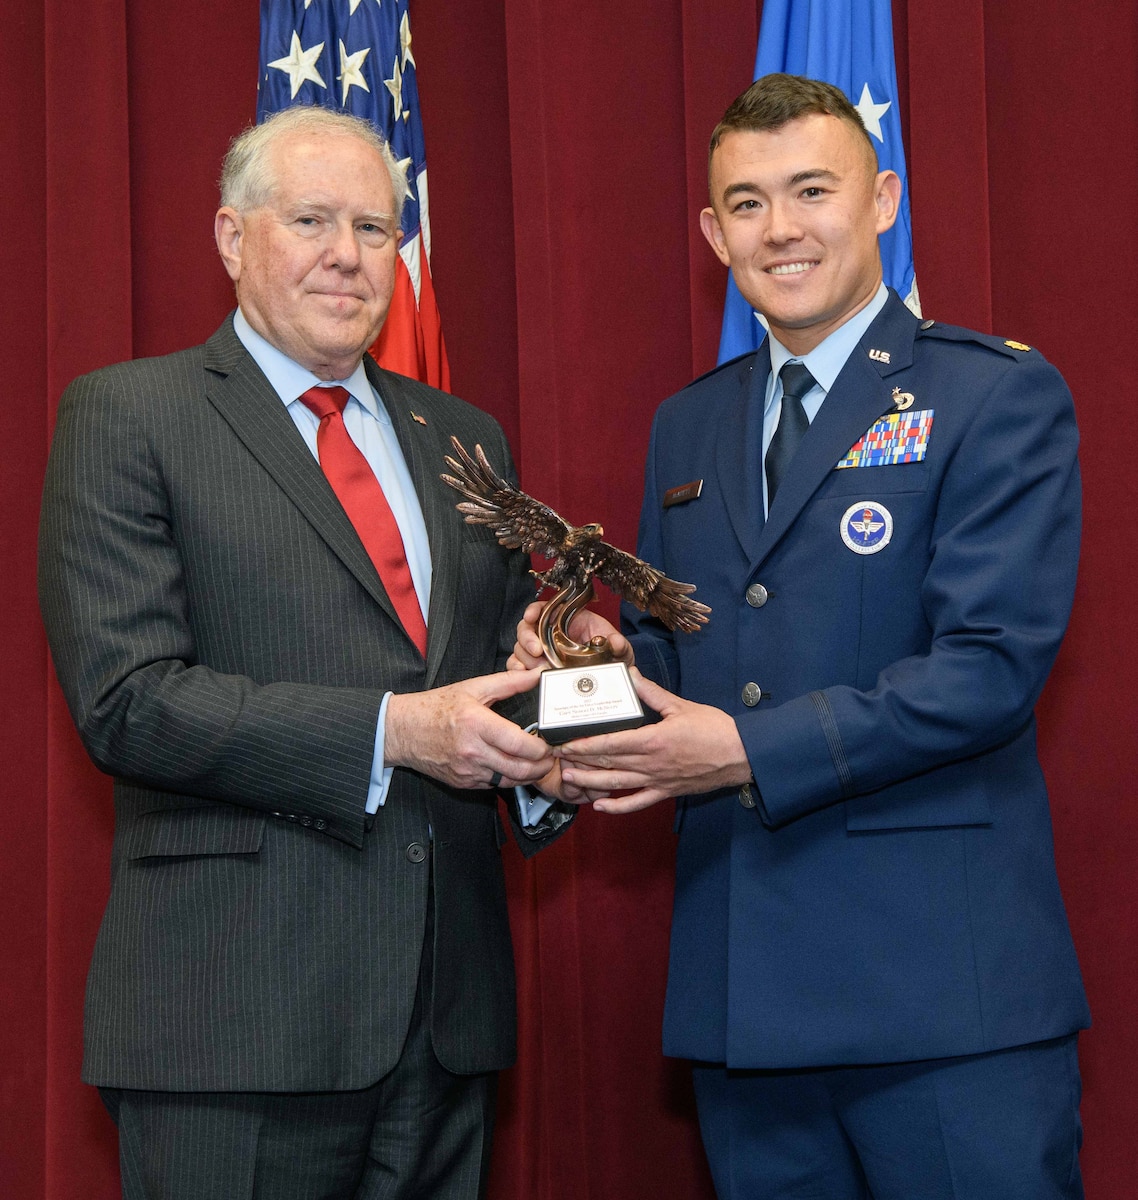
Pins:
x: 1015, y: 345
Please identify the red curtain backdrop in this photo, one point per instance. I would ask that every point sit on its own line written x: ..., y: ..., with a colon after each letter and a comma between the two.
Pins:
x: 567, y: 151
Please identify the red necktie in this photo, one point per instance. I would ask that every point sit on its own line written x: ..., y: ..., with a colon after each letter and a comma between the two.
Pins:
x: 358, y: 490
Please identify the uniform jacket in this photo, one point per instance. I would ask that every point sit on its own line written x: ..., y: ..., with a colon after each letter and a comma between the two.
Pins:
x: 890, y: 894
x: 224, y: 643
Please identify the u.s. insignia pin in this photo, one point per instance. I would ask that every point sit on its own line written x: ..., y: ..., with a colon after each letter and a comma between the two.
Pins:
x: 867, y: 527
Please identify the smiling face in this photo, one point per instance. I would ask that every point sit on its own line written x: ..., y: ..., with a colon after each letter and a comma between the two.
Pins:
x: 795, y: 213
x: 314, y: 267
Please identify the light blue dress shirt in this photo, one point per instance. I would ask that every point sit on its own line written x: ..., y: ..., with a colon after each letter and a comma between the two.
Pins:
x: 370, y: 427
x: 824, y: 362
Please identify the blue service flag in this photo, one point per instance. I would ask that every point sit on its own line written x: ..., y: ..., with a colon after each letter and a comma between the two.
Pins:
x: 848, y: 43
x: 355, y: 56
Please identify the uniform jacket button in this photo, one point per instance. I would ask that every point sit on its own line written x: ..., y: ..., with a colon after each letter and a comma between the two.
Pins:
x: 752, y: 694
x: 416, y: 852
x: 757, y: 595
x: 746, y: 796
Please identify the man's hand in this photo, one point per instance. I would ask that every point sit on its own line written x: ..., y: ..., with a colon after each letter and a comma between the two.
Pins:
x: 694, y: 749
x: 586, y: 624
x: 555, y: 787
x: 450, y: 734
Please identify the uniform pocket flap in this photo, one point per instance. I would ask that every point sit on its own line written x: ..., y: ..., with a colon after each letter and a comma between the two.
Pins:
x: 932, y: 801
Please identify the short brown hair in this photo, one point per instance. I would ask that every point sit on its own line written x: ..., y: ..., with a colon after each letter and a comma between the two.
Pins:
x: 772, y: 101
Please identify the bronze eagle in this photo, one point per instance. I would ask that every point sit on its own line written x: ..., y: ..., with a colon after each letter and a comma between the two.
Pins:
x: 522, y: 523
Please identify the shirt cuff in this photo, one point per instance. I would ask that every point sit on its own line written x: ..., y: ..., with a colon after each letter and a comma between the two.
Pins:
x: 532, y: 806
x: 380, y: 775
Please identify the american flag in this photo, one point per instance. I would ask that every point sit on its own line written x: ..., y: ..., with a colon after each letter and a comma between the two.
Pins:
x: 356, y: 56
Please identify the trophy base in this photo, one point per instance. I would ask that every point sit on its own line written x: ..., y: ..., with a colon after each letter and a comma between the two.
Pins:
x: 581, y: 701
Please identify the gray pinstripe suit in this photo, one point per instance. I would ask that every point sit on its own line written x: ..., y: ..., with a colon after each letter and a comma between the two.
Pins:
x: 224, y: 642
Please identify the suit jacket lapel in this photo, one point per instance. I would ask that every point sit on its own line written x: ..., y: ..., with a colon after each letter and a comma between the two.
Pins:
x: 860, y: 395
x: 242, y: 395
x: 739, y: 447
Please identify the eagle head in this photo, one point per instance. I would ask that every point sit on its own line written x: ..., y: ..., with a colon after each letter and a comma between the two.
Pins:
x: 582, y: 535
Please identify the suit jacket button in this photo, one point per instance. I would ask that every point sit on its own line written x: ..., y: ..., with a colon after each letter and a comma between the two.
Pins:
x: 416, y: 852
x: 746, y: 796
x: 306, y: 821
x: 757, y: 595
x: 320, y: 824
x: 752, y: 694
x: 291, y: 817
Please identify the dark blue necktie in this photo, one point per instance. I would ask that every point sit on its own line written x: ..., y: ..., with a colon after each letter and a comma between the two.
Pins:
x: 792, y: 424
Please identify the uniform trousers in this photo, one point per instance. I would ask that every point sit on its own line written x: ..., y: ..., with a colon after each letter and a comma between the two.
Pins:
x: 997, y: 1126
x: 419, y: 1133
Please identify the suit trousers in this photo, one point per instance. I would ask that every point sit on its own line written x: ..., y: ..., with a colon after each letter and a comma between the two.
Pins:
x: 1004, y: 1124
x: 420, y: 1133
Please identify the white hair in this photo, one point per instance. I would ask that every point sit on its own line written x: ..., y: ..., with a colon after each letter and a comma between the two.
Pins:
x: 247, y: 178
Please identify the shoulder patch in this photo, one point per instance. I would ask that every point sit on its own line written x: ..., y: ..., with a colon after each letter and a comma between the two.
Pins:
x: 956, y: 333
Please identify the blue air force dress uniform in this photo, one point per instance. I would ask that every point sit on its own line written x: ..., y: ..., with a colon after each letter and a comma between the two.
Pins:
x: 886, y: 891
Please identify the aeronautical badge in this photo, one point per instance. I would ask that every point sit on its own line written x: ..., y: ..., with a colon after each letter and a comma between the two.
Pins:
x: 867, y: 527
x: 902, y: 401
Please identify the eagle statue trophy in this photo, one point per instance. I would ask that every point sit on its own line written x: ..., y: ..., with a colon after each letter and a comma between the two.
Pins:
x: 522, y: 523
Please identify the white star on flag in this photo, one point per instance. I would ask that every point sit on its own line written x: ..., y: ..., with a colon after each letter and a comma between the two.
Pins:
x: 395, y: 86
x: 871, y: 113
x: 350, y: 73
x: 405, y: 41
x: 300, y: 65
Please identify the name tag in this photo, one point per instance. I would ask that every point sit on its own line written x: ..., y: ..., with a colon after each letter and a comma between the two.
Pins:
x: 683, y: 493
x: 899, y: 437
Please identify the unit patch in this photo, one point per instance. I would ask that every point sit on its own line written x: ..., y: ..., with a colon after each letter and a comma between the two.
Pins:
x: 867, y: 527
x: 899, y: 437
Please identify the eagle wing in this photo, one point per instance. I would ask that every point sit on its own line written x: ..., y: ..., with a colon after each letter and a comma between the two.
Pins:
x: 651, y: 590
x: 519, y: 521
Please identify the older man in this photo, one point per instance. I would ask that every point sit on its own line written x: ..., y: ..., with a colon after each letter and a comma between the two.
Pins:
x: 273, y: 629
x: 870, y: 958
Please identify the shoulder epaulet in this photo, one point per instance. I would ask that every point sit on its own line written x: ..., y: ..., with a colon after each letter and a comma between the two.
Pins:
x: 731, y: 362
x: 955, y: 333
